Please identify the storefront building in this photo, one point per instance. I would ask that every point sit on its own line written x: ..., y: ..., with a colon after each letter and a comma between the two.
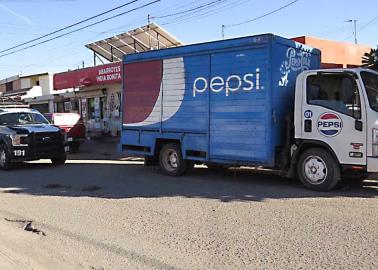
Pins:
x: 95, y: 93
x: 336, y: 54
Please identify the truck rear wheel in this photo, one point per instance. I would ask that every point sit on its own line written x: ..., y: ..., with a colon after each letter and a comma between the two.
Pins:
x: 318, y: 170
x: 171, y: 161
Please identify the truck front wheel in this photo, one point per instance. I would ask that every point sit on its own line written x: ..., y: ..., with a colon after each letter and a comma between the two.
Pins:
x: 171, y: 161
x: 318, y: 170
x: 5, y: 162
x: 57, y: 161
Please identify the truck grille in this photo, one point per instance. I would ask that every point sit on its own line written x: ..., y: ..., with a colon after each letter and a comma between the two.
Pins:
x: 47, y: 143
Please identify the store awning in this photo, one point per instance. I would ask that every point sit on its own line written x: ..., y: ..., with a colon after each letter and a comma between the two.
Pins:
x: 146, y: 38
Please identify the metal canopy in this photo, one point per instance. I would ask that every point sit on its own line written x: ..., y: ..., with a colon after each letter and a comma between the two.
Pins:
x: 146, y: 38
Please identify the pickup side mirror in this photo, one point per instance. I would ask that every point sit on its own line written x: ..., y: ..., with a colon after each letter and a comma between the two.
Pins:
x: 358, y: 125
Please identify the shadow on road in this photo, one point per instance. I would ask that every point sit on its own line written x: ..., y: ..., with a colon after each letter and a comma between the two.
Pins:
x: 131, y: 180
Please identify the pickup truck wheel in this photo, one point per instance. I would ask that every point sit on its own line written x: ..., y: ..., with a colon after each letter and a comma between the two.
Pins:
x: 5, y: 162
x: 58, y: 160
x: 318, y: 170
x: 171, y: 161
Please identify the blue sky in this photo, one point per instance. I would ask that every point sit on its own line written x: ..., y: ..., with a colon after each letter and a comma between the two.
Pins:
x: 22, y: 20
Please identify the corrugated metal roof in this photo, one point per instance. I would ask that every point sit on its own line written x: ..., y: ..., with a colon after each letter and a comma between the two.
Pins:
x: 146, y: 38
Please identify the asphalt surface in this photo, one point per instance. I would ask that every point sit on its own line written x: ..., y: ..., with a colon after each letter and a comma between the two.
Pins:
x: 104, y: 211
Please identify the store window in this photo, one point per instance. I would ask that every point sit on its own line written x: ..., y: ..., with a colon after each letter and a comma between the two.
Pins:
x: 338, y: 92
x: 9, y: 86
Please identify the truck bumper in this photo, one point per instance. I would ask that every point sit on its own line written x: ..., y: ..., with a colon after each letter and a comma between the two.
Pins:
x: 372, y: 164
x: 19, y: 154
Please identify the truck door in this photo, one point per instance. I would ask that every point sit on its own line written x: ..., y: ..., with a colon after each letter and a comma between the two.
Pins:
x: 332, y: 113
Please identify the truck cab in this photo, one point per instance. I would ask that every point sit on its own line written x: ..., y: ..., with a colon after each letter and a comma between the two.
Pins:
x: 26, y: 135
x: 336, y: 126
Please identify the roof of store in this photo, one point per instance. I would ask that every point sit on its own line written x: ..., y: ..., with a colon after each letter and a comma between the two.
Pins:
x: 146, y: 38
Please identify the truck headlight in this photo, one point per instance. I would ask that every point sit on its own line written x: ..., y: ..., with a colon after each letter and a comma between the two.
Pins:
x: 19, y: 139
x: 375, y: 142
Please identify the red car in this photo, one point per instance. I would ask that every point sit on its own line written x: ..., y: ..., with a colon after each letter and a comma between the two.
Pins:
x: 74, y: 126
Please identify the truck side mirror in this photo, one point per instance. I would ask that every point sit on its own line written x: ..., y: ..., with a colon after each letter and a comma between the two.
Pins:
x: 358, y: 125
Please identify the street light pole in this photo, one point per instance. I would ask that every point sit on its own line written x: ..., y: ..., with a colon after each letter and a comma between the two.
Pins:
x: 354, y: 21
x: 355, y: 31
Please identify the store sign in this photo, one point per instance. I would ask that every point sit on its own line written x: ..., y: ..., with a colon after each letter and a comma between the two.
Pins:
x: 99, y: 75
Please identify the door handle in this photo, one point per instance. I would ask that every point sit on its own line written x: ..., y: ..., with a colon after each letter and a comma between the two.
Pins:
x: 308, y: 125
x: 358, y: 125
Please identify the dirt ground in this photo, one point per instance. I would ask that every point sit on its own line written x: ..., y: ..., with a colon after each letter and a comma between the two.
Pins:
x: 105, y: 211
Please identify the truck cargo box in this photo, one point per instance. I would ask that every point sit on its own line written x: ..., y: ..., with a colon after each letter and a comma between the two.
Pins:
x: 223, y: 101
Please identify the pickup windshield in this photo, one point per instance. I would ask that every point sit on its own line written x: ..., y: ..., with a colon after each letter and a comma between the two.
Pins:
x: 22, y: 118
x: 370, y: 80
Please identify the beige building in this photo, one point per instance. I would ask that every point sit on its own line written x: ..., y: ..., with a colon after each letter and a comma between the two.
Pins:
x: 33, y: 89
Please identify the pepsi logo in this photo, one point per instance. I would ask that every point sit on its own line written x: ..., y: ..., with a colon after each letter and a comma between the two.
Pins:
x: 330, y: 124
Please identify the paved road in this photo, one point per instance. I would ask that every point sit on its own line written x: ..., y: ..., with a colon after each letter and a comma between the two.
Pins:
x: 99, y: 212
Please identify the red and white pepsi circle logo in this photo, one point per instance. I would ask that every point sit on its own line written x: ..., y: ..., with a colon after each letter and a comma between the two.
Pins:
x: 330, y: 124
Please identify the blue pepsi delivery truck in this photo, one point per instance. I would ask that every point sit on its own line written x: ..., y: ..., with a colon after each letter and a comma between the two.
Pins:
x: 259, y: 100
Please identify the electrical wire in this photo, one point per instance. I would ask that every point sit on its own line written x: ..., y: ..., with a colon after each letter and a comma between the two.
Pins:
x: 263, y: 16
x: 203, y: 13
x: 368, y: 23
x: 79, y: 29
x: 191, y: 9
x: 362, y: 27
x: 70, y: 26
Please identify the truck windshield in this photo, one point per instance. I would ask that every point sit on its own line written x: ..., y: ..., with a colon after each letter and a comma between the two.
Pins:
x: 370, y: 80
x: 22, y: 118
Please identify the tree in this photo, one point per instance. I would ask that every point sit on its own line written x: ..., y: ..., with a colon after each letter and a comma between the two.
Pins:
x: 370, y: 59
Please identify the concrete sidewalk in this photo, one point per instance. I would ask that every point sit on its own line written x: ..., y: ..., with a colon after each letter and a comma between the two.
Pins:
x: 103, y: 148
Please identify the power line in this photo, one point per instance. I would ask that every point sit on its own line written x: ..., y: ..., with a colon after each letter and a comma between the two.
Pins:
x: 81, y: 28
x: 191, y: 9
x: 368, y: 23
x: 363, y: 27
x: 69, y: 26
x: 204, y: 12
x: 262, y: 16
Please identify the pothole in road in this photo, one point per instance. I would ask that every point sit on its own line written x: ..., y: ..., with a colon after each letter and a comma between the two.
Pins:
x: 91, y: 188
x: 12, y: 191
x: 55, y: 186
x: 97, y: 268
x: 27, y: 225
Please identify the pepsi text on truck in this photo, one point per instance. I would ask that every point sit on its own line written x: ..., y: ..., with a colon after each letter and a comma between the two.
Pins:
x: 251, y: 101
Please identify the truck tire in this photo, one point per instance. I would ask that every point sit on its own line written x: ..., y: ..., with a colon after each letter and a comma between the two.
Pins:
x: 57, y: 161
x: 318, y: 170
x: 5, y: 159
x: 171, y: 161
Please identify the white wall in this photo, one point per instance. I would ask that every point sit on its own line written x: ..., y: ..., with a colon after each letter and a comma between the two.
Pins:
x: 44, y: 82
x: 25, y: 83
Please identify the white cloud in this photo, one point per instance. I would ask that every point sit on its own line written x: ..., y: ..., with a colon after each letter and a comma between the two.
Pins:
x: 14, y: 13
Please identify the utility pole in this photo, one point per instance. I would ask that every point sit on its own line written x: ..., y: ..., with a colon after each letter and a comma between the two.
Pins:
x: 223, y: 27
x: 149, y: 33
x: 354, y: 21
